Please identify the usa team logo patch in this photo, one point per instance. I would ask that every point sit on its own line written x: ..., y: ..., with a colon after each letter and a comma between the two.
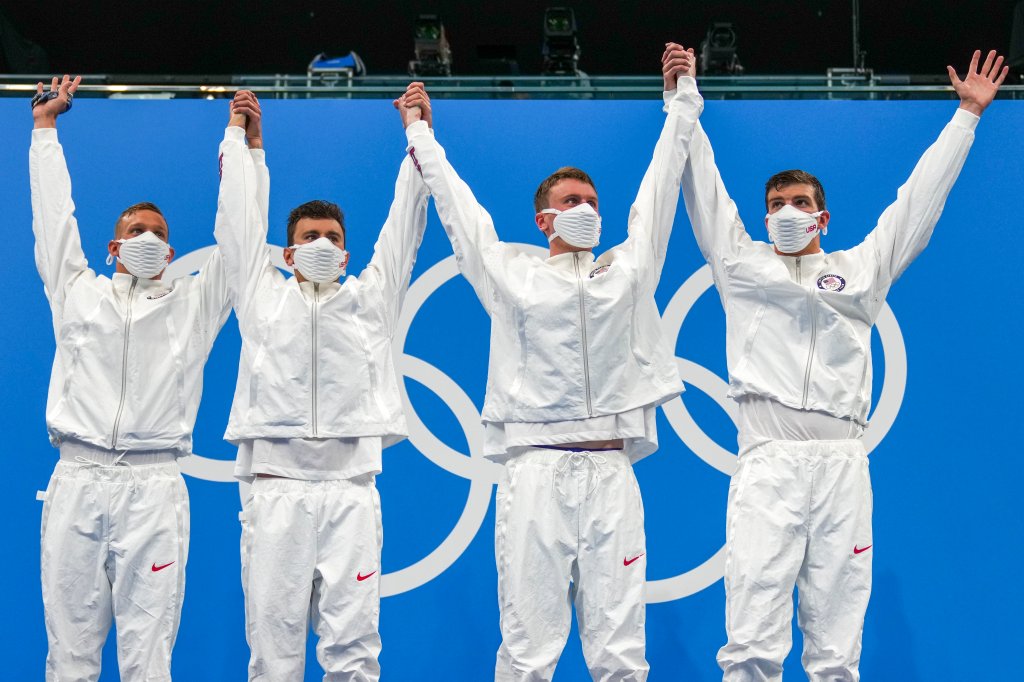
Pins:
x: 599, y: 271
x: 831, y: 283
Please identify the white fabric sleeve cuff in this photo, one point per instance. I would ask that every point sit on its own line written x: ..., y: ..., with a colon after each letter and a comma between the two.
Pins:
x: 44, y: 135
x: 416, y: 128
x: 966, y: 119
x: 234, y: 134
x: 685, y: 85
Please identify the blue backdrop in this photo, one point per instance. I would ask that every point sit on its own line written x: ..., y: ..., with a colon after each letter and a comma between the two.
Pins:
x: 948, y: 540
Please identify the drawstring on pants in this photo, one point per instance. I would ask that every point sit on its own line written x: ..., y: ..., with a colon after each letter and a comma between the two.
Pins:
x: 573, y: 459
x: 119, y: 461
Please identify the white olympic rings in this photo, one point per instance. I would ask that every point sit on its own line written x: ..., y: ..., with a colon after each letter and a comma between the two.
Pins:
x: 483, y: 474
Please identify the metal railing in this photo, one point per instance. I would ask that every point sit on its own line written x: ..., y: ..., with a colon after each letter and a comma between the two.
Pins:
x: 346, y: 86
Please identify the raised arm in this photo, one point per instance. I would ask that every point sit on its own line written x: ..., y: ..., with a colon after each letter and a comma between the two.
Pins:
x: 653, y: 212
x: 394, y: 254
x: 906, y: 225
x: 713, y: 214
x: 241, y: 224
x: 469, y: 227
x: 58, y: 249
x: 246, y: 104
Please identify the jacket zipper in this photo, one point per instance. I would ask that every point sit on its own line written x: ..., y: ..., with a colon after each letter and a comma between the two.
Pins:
x: 124, y: 363
x: 814, y: 335
x: 316, y: 302
x: 583, y: 334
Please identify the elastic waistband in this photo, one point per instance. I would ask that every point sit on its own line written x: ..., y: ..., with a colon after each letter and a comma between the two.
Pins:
x: 812, y: 448
x: 562, y: 449
x: 282, y: 484
x: 73, y: 452
x: 551, y: 456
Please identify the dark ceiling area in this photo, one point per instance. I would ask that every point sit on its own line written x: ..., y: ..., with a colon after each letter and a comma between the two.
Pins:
x: 617, y: 38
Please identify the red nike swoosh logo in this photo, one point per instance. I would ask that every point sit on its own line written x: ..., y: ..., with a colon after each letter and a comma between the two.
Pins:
x: 627, y: 562
x: 360, y: 577
x: 160, y: 568
x: 858, y: 550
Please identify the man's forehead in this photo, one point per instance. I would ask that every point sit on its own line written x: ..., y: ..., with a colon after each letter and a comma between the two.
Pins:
x: 318, y: 224
x: 792, y: 190
x: 571, y: 186
x: 144, y: 218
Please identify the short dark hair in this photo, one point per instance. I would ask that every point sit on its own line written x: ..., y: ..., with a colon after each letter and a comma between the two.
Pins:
x: 540, y: 199
x: 795, y: 177
x: 133, y: 209
x: 317, y: 209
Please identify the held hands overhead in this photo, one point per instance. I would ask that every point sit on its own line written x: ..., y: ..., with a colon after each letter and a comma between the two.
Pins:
x: 979, y: 88
x: 45, y: 112
x: 246, y: 113
x: 675, y: 62
x: 414, y: 105
x: 976, y: 91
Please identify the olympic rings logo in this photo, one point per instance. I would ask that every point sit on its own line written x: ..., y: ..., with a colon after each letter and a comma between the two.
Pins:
x: 482, y: 474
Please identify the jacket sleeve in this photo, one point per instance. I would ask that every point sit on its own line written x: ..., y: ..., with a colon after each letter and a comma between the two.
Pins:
x: 713, y: 214
x: 469, y: 227
x: 259, y: 159
x: 654, y: 210
x: 58, y: 248
x: 241, y: 223
x: 906, y: 225
x: 394, y: 254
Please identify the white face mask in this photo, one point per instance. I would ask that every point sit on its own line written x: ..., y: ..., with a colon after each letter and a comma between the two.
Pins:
x: 320, y: 260
x: 792, y: 229
x: 144, y: 256
x: 579, y: 226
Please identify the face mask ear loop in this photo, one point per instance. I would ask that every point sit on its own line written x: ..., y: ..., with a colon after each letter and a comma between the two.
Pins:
x: 551, y: 211
x: 110, y: 256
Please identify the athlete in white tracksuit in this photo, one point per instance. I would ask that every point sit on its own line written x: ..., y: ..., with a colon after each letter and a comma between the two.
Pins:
x: 124, y: 392
x: 578, y: 365
x: 316, y: 401
x: 798, y: 340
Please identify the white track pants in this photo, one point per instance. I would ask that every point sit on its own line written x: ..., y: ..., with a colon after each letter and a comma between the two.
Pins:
x: 578, y: 517
x: 799, y: 514
x: 311, y: 553
x: 114, y: 544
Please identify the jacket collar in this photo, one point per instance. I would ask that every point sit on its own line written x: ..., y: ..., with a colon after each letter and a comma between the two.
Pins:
x: 123, y: 282
x: 568, y: 261
x: 809, y: 264
x: 327, y: 289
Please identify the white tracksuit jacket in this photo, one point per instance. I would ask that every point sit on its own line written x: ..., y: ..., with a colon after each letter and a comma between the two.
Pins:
x: 320, y: 368
x: 798, y: 329
x: 128, y: 371
x: 571, y: 337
